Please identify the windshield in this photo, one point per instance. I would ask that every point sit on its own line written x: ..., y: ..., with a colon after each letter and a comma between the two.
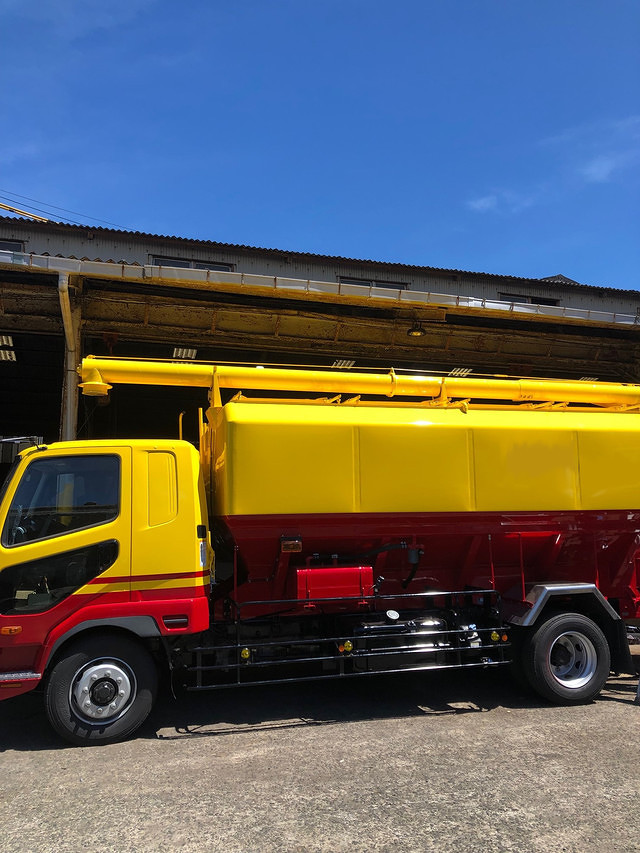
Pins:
x: 58, y: 494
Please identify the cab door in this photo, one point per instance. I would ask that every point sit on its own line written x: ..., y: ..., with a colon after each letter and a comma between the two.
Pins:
x: 65, y: 542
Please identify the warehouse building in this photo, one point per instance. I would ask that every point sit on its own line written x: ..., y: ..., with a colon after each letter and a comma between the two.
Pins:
x: 70, y: 290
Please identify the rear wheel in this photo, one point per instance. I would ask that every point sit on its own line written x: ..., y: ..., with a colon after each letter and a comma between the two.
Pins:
x: 101, y: 690
x: 567, y: 660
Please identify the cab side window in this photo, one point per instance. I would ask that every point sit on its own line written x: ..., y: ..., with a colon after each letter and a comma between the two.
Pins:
x: 61, y: 494
x: 37, y: 585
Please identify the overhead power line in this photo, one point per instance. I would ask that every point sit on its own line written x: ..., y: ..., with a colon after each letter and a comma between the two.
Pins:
x: 42, y: 210
x: 9, y: 196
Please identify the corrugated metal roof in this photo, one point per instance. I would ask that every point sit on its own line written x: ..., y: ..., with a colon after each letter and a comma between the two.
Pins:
x: 336, y: 259
x: 560, y: 279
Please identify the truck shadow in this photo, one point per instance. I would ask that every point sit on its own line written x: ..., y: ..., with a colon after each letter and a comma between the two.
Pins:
x: 230, y: 712
x: 234, y: 712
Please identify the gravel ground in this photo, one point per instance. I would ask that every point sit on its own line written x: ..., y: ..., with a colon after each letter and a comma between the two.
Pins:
x: 447, y: 762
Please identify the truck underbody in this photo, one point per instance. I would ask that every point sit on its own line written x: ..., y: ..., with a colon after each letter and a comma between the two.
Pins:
x: 359, y: 636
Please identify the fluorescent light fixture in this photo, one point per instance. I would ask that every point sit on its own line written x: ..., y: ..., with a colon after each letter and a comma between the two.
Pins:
x: 6, y: 341
x: 7, y: 355
x: 588, y: 379
x: 344, y: 363
x: 461, y: 371
x: 184, y: 353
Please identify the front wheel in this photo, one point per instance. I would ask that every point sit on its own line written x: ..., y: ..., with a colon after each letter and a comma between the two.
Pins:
x: 567, y: 660
x: 101, y: 690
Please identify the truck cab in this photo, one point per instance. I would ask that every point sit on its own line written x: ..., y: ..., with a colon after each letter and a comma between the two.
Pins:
x: 75, y: 517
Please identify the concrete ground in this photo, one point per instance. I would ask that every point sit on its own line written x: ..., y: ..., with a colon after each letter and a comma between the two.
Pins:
x: 443, y: 761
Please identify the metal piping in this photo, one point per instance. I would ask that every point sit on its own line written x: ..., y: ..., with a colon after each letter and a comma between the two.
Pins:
x: 23, y: 212
x: 98, y: 373
x: 69, y: 408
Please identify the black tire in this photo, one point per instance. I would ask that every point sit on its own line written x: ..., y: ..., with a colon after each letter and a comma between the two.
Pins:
x: 101, y: 690
x: 567, y: 659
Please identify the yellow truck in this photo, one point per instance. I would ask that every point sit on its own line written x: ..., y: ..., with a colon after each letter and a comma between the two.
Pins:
x: 331, y: 524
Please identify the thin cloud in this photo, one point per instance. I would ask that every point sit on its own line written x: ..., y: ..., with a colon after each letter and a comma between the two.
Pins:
x: 483, y: 204
x: 596, y: 132
x: 607, y: 166
x: 11, y: 154
x: 505, y: 201
x: 595, y: 153
x: 71, y: 19
x: 599, y: 151
x: 599, y: 169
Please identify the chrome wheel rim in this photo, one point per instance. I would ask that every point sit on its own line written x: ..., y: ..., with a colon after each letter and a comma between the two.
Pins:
x: 573, y: 660
x: 102, y: 691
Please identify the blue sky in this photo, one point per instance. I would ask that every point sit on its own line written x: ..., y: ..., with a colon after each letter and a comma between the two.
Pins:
x: 491, y: 135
